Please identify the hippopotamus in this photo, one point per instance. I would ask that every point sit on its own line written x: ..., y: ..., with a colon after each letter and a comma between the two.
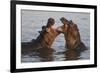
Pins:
x: 72, y: 35
x: 46, y: 37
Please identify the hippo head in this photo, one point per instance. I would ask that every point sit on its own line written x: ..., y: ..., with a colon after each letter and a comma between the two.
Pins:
x: 60, y: 29
x: 68, y: 25
x: 65, y: 25
x: 72, y: 35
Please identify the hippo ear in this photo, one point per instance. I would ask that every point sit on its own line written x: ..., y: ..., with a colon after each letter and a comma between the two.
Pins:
x: 47, y: 29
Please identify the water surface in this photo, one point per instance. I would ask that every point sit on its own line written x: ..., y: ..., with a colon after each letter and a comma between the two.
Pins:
x: 32, y: 21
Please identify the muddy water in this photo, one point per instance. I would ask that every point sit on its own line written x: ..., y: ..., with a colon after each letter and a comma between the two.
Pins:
x: 32, y: 21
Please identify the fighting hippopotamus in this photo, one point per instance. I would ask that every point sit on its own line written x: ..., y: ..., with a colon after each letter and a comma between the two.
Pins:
x: 72, y: 35
x: 46, y: 37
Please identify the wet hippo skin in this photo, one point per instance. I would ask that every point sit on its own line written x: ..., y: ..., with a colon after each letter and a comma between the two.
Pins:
x: 72, y: 36
x: 45, y: 38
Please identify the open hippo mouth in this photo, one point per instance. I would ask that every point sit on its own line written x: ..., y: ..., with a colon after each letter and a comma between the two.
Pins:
x: 64, y: 21
x: 64, y: 27
x: 44, y: 39
x: 72, y: 35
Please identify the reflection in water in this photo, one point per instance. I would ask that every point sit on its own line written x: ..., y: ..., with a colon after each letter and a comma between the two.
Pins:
x: 49, y: 54
x: 39, y: 55
x: 45, y: 54
x: 72, y: 54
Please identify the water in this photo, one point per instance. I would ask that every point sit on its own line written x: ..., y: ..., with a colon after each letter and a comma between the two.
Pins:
x: 32, y: 21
